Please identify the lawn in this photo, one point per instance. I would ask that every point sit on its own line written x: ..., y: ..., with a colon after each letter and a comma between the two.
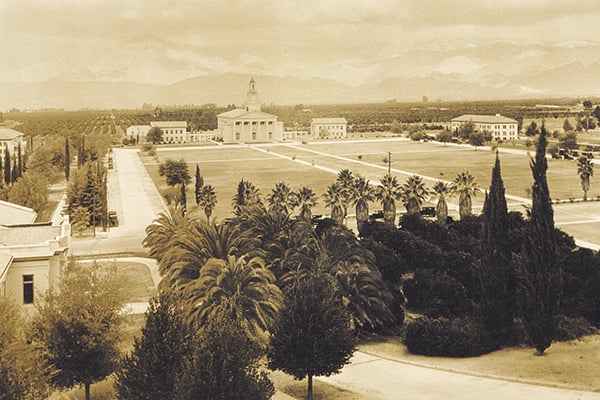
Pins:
x: 315, y: 165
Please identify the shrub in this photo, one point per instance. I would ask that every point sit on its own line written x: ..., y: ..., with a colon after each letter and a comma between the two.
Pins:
x: 437, y: 294
x: 570, y: 328
x: 147, y: 147
x: 459, y: 337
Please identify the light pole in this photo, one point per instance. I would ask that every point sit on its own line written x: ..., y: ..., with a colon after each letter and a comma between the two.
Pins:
x: 389, y: 162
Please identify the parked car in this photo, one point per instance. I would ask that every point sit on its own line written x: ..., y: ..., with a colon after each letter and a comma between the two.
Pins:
x: 113, y: 219
x: 428, y: 211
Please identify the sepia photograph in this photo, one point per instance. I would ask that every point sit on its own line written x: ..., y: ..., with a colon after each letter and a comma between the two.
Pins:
x: 299, y: 199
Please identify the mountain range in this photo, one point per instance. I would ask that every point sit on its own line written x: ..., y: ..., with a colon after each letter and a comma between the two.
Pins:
x: 572, y: 79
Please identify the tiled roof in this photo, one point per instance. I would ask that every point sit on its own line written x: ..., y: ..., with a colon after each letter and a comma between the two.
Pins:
x: 486, y: 119
x: 329, y: 121
x: 169, y: 124
x: 9, y: 134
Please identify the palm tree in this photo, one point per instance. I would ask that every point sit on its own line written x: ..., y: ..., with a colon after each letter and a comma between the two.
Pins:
x: 247, y: 196
x: 282, y: 199
x: 345, y: 180
x: 362, y: 193
x: 387, y: 193
x: 585, y: 169
x: 248, y: 284
x: 465, y: 186
x: 334, y: 199
x: 307, y: 199
x: 441, y: 209
x: 414, y: 193
x: 161, y: 234
x: 207, y: 199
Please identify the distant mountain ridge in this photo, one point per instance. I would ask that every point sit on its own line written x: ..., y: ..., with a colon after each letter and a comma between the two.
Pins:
x: 576, y: 79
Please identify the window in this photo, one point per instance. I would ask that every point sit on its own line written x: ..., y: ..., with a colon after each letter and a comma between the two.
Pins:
x: 246, y: 122
x: 237, y: 136
x: 270, y: 122
x: 262, y: 122
x: 27, y: 289
x: 253, y: 122
x: 270, y: 135
x: 253, y: 135
x: 238, y: 123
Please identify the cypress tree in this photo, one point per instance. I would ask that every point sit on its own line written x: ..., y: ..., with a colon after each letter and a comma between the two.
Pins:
x: 199, y: 184
x: 7, y: 172
x: 20, y: 161
x: 1, y: 179
x: 497, y: 275
x: 15, y: 171
x: 538, y: 265
x: 67, y: 159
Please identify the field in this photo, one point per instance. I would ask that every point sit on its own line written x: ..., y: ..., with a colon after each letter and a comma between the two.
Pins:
x: 314, y: 165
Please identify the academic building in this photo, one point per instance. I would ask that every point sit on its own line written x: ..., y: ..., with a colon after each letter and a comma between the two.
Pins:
x: 501, y: 128
x: 328, y: 128
x: 249, y: 124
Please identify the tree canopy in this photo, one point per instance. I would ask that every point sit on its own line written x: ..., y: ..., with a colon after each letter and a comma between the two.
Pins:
x: 175, y: 172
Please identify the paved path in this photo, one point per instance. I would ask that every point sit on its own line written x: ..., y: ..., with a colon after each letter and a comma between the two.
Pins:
x: 381, y: 379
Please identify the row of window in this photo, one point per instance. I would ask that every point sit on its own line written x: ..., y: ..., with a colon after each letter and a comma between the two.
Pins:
x: 269, y: 135
x: 254, y: 122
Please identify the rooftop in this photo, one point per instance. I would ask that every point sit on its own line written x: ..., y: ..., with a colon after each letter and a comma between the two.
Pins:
x: 28, y: 234
x: 486, y: 119
x: 9, y: 134
x: 169, y: 124
x: 11, y: 214
x: 329, y: 121
x: 241, y: 112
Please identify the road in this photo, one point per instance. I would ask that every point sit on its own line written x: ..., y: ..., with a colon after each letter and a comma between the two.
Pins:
x: 381, y: 379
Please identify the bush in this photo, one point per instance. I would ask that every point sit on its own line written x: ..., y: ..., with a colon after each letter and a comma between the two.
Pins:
x: 147, y: 147
x: 437, y: 294
x: 459, y: 337
x: 570, y: 328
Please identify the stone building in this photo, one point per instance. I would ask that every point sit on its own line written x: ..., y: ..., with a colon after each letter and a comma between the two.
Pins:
x: 249, y: 124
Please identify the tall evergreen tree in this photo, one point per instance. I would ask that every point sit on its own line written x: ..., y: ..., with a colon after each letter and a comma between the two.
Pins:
x: 199, y: 184
x: 149, y: 372
x: 104, y: 177
x: 539, y: 269
x: 497, y: 275
x: 19, y: 161
x: 15, y: 171
x: 7, y: 170
x: 67, y: 159
x: 1, y: 171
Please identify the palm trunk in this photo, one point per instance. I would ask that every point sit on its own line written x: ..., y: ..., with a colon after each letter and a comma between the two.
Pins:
x: 362, y: 213
x: 389, y: 212
x: 442, y: 210
x: 87, y: 391
x: 309, y: 394
x: 585, y: 195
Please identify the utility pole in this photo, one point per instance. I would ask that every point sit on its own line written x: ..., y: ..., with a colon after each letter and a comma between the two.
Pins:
x: 389, y: 162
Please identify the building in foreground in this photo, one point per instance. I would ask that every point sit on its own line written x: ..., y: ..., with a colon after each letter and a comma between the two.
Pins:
x: 500, y: 127
x: 249, y: 124
x: 32, y: 257
x: 328, y: 128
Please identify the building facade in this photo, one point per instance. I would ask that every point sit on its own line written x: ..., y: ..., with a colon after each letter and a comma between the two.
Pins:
x: 328, y: 128
x: 32, y: 258
x: 249, y: 124
x: 500, y: 127
x: 172, y: 131
x: 138, y: 132
x: 11, y: 139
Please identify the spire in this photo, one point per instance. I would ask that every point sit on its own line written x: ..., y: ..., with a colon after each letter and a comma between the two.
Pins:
x: 252, y: 103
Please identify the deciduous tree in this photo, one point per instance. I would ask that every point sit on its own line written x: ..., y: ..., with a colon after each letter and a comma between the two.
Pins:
x: 313, y: 335
x: 80, y: 325
x: 154, y: 135
x: 585, y: 170
x: 175, y: 172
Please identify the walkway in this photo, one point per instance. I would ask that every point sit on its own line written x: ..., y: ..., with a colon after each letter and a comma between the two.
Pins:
x: 381, y: 379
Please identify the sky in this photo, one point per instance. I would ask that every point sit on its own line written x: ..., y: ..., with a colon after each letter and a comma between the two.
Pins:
x: 352, y: 41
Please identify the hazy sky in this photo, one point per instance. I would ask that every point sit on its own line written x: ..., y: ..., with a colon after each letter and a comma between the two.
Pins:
x: 354, y: 41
